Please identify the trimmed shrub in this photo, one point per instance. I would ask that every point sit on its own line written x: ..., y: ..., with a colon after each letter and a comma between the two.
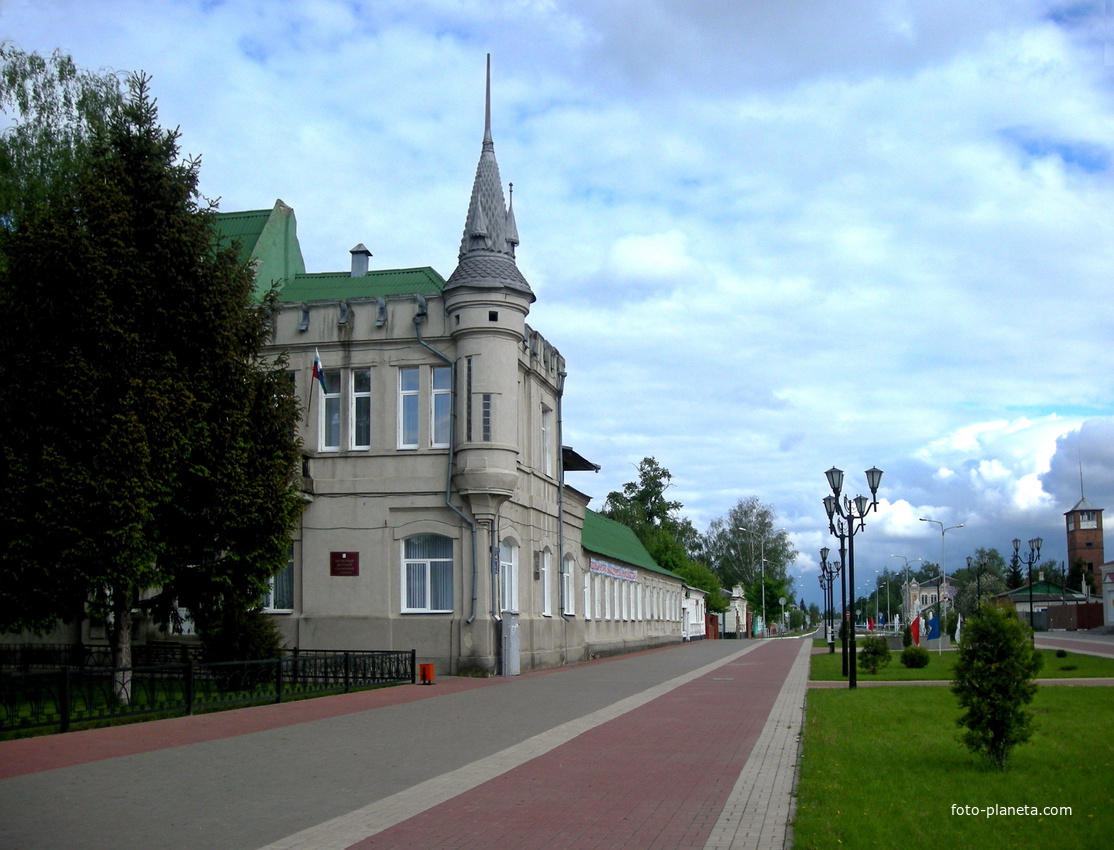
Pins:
x: 914, y: 657
x: 994, y: 674
x: 874, y: 654
x: 906, y: 636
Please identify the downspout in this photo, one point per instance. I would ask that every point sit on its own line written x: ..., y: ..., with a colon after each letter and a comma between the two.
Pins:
x: 562, y: 601
x: 419, y: 319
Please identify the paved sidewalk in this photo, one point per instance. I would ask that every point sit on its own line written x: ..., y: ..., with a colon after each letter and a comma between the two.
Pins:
x: 690, y: 746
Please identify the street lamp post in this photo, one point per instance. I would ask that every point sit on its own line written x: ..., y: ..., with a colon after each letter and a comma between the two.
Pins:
x: 845, y: 519
x: 1034, y: 554
x: 828, y: 574
x: 886, y: 585
x: 943, y: 570
x: 978, y: 567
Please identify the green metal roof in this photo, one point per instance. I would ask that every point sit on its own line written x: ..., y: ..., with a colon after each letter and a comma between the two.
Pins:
x: 614, y: 540
x: 269, y: 239
x: 339, y: 286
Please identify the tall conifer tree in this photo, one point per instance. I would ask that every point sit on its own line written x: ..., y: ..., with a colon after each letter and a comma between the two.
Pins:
x: 149, y: 449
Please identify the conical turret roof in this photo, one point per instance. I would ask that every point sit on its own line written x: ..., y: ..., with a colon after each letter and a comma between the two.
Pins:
x: 487, y: 247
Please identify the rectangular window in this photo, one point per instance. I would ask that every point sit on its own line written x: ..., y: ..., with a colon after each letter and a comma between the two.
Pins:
x: 330, y: 413
x: 543, y: 572
x: 568, y: 590
x: 487, y: 417
x: 280, y: 591
x: 408, y: 384
x: 361, y: 409
x: 547, y: 440
x: 587, y: 596
x: 468, y: 396
x: 427, y: 574
x: 441, y: 406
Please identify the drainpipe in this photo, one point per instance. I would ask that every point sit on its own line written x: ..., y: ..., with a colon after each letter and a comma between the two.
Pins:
x: 419, y: 319
x: 562, y: 601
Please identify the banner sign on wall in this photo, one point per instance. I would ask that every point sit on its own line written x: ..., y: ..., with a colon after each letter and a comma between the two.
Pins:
x: 613, y: 570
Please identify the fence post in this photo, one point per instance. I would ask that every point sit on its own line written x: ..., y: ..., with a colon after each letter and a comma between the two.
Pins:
x: 413, y: 666
x: 347, y: 672
x: 278, y: 679
x: 64, y: 699
x: 189, y: 689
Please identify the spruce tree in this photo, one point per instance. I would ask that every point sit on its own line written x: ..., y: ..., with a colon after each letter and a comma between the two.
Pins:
x: 150, y: 450
x: 993, y: 679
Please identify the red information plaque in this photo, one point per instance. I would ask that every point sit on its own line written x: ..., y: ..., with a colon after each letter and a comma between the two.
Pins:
x: 344, y: 563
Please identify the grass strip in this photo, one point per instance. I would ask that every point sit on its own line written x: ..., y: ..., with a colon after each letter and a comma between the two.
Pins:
x: 883, y: 768
x: 828, y: 668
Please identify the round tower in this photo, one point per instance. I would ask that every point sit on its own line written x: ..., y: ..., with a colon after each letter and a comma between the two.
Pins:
x: 487, y: 300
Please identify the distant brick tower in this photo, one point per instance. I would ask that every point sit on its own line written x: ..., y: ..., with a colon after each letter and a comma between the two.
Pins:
x: 1084, y: 525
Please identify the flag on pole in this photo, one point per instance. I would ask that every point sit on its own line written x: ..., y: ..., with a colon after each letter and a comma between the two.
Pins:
x: 934, y: 627
x: 915, y: 630
x: 870, y: 624
x: 958, y: 626
x: 318, y: 371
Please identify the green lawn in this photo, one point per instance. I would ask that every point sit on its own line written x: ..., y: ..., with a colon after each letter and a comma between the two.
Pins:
x: 828, y: 668
x: 882, y: 767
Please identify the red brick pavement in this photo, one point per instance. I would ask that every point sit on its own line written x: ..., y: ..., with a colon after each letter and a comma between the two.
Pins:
x: 656, y: 777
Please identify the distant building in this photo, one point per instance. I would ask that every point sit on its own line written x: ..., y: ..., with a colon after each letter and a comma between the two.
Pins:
x: 916, y: 596
x: 1085, y: 540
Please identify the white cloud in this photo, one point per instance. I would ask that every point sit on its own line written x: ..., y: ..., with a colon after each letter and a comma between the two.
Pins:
x: 766, y: 237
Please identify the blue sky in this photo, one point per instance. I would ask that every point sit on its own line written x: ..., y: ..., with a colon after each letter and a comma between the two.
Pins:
x: 768, y: 238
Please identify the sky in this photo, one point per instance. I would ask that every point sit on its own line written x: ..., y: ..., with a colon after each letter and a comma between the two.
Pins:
x: 768, y: 236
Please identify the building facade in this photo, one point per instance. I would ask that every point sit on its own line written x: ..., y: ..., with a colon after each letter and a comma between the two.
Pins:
x: 437, y: 512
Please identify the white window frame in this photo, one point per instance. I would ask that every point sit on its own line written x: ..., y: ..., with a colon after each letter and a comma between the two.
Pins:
x: 547, y: 440
x: 441, y: 400
x: 269, y: 596
x: 409, y: 402
x: 543, y: 574
x: 426, y: 567
x: 353, y: 417
x: 508, y: 576
x: 588, y: 596
x: 568, y: 589
x: 330, y: 401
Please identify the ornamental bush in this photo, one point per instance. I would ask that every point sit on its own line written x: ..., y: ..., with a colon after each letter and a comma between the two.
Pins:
x: 906, y: 637
x: 874, y: 654
x: 993, y: 680
x: 914, y: 657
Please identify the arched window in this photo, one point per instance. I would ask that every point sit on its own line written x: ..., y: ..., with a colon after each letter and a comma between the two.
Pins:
x: 508, y: 575
x: 568, y: 589
x: 427, y: 574
x: 543, y: 575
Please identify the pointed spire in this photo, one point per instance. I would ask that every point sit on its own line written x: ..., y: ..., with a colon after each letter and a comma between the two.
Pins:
x: 488, y: 145
x: 487, y: 247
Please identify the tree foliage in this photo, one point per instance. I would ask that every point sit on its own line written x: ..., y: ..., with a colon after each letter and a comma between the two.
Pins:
x: 670, y: 538
x: 993, y: 681
x: 874, y: 654
x: 150, y: 449
x: 737, y: 544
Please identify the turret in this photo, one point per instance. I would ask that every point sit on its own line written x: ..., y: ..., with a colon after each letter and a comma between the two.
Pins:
x: 487, y: 300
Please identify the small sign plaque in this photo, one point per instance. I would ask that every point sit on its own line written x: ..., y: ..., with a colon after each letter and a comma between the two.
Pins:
x: 344, y: 563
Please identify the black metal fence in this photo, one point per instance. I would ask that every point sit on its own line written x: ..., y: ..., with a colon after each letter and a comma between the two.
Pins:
x: 26, y: 657
x: 64, y: 697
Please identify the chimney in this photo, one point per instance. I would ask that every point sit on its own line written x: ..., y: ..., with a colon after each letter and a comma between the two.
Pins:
x: 360, y: 256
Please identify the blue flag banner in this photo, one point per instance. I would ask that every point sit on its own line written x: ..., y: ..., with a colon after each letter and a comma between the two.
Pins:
x: 934, y: 628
